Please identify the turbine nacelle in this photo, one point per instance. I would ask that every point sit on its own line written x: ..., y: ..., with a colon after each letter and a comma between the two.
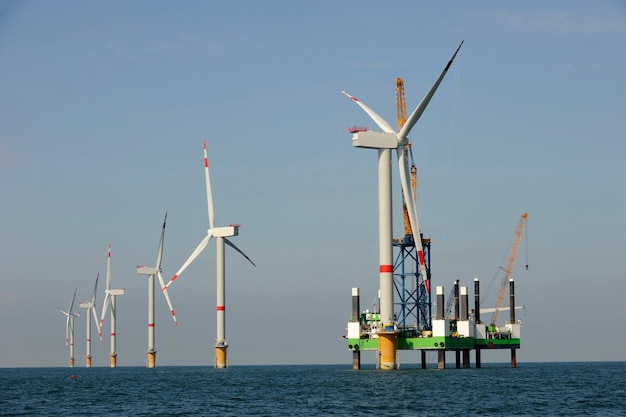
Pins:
x: 118, y: 291
x: 145, y: 270
x: 225, y: 231
x: 375, y: 140
x: 85, y: 304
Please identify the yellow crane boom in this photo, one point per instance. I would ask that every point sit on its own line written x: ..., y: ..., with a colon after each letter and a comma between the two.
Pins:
x: 400, y: 103
x: 509, y: 267
x: 401, y: 116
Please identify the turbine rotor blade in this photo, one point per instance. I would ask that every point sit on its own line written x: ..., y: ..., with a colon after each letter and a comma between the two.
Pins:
x: 167, y: 297
x: 67, y: 325
x: 95, y: 289
x: 191, y: 258
x: 109, y: 268
x: 94, y: 314
x: 67, y: 330
x: 411, y: 209
x: 382, y: 124
x: 72, y: 304
x: 209, y: 195
x: 417, y: 113
x: 160, y: 251
x: 105, y: 306
x: 232, y: 245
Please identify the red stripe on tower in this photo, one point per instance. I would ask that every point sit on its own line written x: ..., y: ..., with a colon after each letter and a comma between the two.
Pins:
x: 386, y: 268
x: 221, y: 308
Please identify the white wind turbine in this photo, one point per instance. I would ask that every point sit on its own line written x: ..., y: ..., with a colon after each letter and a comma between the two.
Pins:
x: 91, y: 305
x: 220, y: 234
x: 151, y: 272
x: 69, y: 328
x: 109, y: 298
x: 384, y: 142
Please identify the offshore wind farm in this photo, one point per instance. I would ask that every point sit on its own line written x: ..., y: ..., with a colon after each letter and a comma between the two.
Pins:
x: 105, y: 114
x: 385, y: 329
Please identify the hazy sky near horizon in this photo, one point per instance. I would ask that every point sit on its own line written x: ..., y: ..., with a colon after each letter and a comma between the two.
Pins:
x: 104, y: 107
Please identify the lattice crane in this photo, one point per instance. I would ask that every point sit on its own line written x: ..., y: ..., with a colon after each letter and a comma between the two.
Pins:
x: 401, y: 116
x: 509, y: 267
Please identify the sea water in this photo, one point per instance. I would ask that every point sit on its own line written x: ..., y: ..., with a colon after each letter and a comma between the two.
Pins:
x: 532, y: 389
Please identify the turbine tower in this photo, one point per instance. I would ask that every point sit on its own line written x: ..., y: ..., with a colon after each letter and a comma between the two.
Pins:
x: 109, y: 298
x: 220, y: 234
x: 90, y: 305
x: 151, y: 272
x: 69, y: 328
x: 385, y: 141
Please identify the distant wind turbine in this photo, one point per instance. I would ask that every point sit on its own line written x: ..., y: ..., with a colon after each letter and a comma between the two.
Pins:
x: 220, y: 234
x: 151, y: 272
x: 69, y: 328
x: 109, y: 298
x: 90, y: 305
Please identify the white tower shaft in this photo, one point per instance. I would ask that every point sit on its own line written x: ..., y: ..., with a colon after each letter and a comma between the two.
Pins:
x: 89, y: 311
x: 72, y: 342
x: 113, y: 354
x: 220, y: 291
x: 88, y: 338
x: 385, y: 237
x: 221, y: 346
x: 151, y: 336
x: 387, y: 336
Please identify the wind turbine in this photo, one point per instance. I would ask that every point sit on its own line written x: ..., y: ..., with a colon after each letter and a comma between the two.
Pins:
x: 69, y: 328
x: 385, y: 141
x: 151, y: 272
x: 109, y: 298
x: 220, y: 234
x: 91, y: 305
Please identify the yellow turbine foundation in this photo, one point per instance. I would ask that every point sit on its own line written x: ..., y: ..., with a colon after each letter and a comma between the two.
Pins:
x: 113, y: 360
x: 151, y: 359
x: 220, y: 356
x: 71, y: 362
x: 387, y: 350
x: 88, y: 361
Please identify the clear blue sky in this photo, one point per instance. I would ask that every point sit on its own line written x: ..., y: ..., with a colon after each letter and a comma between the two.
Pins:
x: 104, y: 107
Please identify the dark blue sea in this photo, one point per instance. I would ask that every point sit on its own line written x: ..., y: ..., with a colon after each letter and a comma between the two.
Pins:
x: 532, y: 389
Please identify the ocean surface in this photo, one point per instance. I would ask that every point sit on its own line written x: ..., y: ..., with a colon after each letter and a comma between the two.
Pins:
x: 532, y: 389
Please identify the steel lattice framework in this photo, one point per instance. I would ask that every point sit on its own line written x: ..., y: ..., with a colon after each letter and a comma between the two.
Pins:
x: 413, y: 308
